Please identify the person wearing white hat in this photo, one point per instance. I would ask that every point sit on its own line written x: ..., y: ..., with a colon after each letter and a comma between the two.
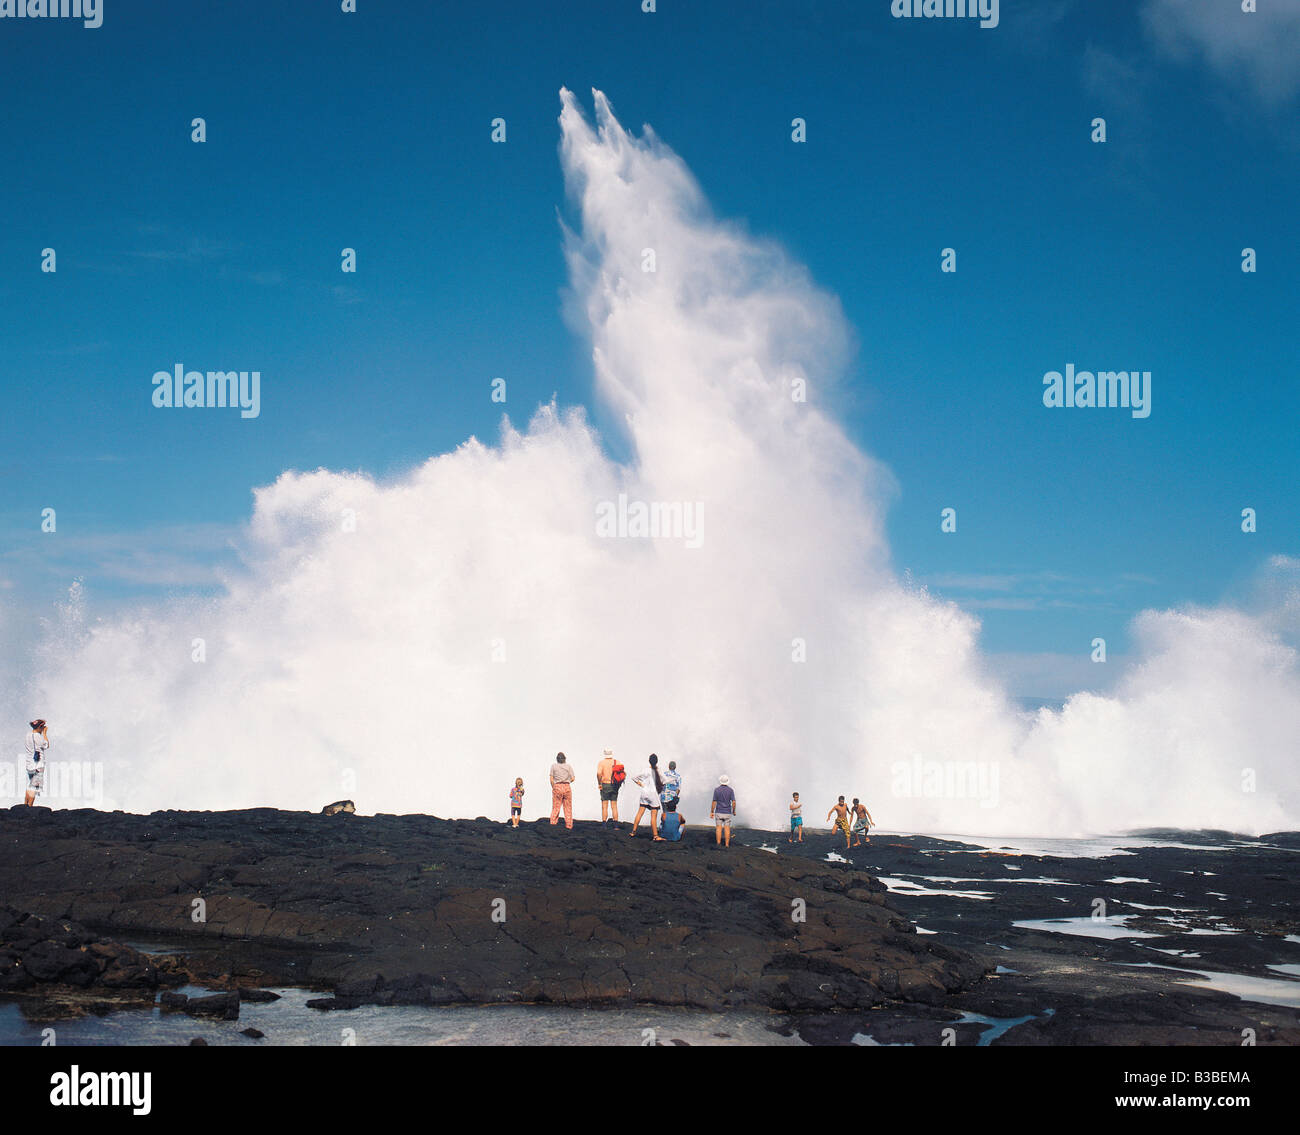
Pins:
x: 723, y: 809
x: 607, y: 785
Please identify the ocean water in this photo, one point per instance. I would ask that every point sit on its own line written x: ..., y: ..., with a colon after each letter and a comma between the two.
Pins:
x: 289, y: 1022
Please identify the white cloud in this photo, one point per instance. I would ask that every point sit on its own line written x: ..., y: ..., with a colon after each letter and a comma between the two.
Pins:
x: 1260, y: 50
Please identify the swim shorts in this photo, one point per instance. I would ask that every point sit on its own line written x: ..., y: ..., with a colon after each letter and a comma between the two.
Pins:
x: 609, y: 792
x: 796, y: 822
x: 516, y: 811
x: 719, y: 818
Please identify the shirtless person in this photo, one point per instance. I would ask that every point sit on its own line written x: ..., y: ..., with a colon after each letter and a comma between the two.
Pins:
x: 862, y: 823
x: 606, y: 787
x: 841, y: 814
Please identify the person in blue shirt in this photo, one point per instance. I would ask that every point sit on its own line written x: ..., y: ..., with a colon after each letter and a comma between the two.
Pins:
x: 672, y: 783
x: 723, y: 810
x: 672, y: 824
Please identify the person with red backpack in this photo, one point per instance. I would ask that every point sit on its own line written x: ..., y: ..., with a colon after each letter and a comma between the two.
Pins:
x: 609, y: 779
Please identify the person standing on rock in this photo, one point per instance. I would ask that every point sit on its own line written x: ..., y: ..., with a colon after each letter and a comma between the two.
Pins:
x: 796, y: 820
x: 608, y: 788
x: 672, y: 784
x: 651, y: 785
x: 38, y: 740
x: 861, y: 823
x: 562, y: 791
x: 516, y: 801
x: 841, y: 813
x: 723, y: 809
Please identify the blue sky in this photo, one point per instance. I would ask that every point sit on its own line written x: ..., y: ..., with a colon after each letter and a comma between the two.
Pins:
x: 372, y: 130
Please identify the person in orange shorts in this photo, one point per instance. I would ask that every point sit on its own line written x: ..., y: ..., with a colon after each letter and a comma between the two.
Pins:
x: 562, y: 791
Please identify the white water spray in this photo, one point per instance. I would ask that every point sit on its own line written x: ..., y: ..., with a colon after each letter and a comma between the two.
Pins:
x: 473, y: 620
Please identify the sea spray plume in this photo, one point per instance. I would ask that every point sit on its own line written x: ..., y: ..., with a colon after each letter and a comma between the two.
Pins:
x: 417, y: 644
x: 700, y: 355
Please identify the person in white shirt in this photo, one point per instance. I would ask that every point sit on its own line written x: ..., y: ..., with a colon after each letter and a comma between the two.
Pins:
x: 651, y: 785
x: 38, y: 740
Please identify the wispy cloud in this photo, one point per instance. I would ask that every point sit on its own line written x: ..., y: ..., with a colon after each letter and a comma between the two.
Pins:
x: 1054, y: 676
x: 1032, y: 28
x: 166, y: 247
x: 74, y: 349
x: 192, y: 250
x: 1258, y: 51
x: 1032, y: 590
x: 173, y: 556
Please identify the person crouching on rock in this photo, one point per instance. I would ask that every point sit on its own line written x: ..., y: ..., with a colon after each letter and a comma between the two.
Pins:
x: 672, y: 823
x: 562, y: 791
x: 38, y: 740
x: 607, y: 786
x: 516, y: 801
x: 652, y: 786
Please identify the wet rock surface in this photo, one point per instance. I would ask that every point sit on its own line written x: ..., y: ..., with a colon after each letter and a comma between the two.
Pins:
x: 38, y: 952
x: 1124, y: 938
x: 1218, y: 909
x: 59, y: 969
x: 398, y: 910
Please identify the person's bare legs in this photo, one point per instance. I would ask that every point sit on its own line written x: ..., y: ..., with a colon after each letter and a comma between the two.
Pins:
x: 637, y: 822
x: 654, y: 826
x: 604, y: 811
x: 614, y: 806
x: 30, y: 799
x: 727, y: 829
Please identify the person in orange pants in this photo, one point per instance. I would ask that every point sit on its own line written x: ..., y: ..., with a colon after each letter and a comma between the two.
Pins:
x: 562, y: 791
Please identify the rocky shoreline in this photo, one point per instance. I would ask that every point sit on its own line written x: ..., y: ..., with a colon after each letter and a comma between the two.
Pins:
x: 959, y: 943
x: 388, y: 910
